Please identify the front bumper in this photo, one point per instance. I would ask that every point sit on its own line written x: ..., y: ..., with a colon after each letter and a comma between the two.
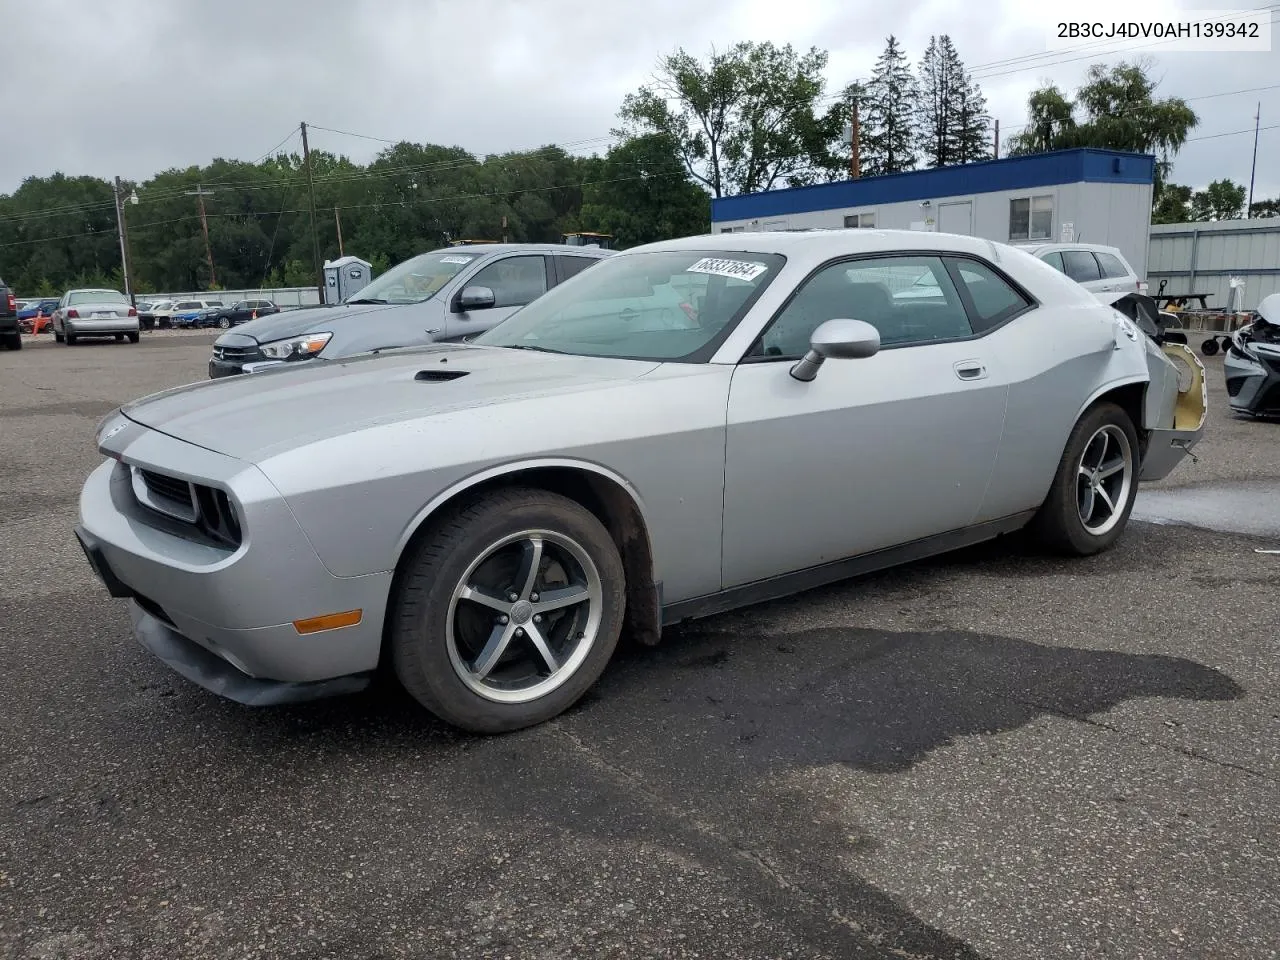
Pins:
x: 230, y: 368
x: 224, y: 618
x: 1253, y: 385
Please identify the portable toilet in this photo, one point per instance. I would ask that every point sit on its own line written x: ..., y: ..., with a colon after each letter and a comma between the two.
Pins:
x: 344, y: 277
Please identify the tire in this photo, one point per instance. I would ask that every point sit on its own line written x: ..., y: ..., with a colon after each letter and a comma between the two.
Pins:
x: 134, y: 337
x: 13, y: 341
x: 224, y: 323
x: 437, y: 637
x: 1209, y: 347
x: 1059, y: 525
x: 57, y: 337
x: 119, y: 338
x: 71, y: 339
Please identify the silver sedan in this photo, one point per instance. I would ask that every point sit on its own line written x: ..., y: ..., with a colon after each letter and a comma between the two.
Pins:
x: 688, y: 427
x: 94, y: 313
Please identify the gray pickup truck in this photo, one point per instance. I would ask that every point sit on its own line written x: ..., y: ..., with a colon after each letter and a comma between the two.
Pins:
x: 9, y: 332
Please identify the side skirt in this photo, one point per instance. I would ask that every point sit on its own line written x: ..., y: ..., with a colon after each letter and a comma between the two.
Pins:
x: 799, y: 581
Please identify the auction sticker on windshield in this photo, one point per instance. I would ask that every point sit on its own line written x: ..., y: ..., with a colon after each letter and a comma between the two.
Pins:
x: 456, y: 259
x: 733, y: 269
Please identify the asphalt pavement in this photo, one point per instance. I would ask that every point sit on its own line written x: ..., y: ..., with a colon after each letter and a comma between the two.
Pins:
x: 991, y: 754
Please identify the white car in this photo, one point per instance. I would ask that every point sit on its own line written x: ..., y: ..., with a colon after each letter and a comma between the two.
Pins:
x: 1097, y: 268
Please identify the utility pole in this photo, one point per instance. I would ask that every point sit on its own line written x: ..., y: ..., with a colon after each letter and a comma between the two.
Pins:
x: 123, y: 231
x: 201, y: 192
x: 315, y: 236
x: 337, y: 220
x: 1257, y: 119
x: 855, y: 161
x: 996, y: 151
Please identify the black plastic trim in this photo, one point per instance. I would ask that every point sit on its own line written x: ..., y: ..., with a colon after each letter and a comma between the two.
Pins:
x: 798, y: 581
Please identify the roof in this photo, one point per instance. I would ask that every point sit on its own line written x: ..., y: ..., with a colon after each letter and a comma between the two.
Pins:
x: 1084, y: 165
x: 1059, y: 245
x: 825, y: 242
x: 520, y: 247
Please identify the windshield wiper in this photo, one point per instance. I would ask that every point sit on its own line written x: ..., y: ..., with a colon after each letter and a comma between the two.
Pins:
x: 525, y: 346
x: 369, y: 300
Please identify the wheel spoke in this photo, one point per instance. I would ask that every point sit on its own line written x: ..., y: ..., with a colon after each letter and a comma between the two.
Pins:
x: 494, y: 648
x: 534, y: 633
x: 484, y: 598
x: 1106, y: 498
x: 529, y: 565
x: 561, y: 597
x: 1086, y: 505
x: 1111, y: 469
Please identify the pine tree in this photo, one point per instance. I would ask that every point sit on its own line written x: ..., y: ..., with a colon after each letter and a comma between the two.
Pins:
x: 972, y: 138
x: 889, y: 138
x: 953, y: 112
x: 935, y: 116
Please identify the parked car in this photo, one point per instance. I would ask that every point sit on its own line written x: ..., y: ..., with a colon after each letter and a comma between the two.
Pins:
x: 94, y: 313
x: 188, y: 313
x: 446, y: 294
x: 240, y: 312
x: 1252, y: 363
x: 1094, y: 266
x: 484, y: 518
x: 9, y: 332
x: 37, y: 316
x: 155, y: 314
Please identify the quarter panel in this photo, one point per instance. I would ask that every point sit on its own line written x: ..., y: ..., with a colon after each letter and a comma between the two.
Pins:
x: 1060, y: 357
x: 357, y: 495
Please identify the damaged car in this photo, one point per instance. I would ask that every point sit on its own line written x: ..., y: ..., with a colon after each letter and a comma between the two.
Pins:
x: 1252, y: 363
x: 688, y: 427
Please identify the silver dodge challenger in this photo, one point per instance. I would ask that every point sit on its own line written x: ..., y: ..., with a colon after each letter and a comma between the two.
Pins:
x: 688, y: 427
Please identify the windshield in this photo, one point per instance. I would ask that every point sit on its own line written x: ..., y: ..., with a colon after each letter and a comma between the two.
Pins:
x: 676, y: 305
x: 415, y: 280
x: 96, y: 296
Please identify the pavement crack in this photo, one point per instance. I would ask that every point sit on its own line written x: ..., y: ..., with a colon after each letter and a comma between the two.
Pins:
x: 814, y: 901
x: 1147, y: 742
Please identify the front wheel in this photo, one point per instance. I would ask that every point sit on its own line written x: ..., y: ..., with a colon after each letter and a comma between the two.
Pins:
x: 1093, y: 491
x: 507, y: 611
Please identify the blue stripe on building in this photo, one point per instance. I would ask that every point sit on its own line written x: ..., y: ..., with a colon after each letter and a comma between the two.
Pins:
x: 1085, y: 165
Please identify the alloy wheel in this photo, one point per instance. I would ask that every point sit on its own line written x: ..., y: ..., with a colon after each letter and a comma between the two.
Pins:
x: 524, y: 616
x: 1103, y: 479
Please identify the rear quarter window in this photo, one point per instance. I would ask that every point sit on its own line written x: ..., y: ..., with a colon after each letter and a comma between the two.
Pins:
x: 1111, y: 265
x: 1054, y: 259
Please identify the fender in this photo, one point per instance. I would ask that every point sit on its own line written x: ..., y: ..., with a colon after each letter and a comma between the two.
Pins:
x: 503, y: 469
x: 1107, y: 388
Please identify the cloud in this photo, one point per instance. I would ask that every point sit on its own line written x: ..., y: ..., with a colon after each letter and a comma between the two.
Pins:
x: 135, y: 86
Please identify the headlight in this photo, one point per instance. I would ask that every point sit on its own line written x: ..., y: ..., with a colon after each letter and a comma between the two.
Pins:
x: 296, y: 348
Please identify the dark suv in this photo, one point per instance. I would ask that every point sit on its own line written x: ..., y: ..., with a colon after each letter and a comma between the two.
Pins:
x: 238, y: 313
x: 9, y: 332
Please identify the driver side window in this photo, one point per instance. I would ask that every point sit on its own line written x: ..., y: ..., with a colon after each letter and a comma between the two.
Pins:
x: 909, y: 299
x: 514, y: 281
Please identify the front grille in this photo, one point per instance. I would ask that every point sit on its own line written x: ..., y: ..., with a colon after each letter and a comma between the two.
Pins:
x: 170, y: 495
x: 206, y: 511
x: 236, y: 354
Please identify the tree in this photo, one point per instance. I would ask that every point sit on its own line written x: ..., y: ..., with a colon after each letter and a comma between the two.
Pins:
x: 1117, y: 111
x: 744, y: 121
x: 642, y: 194
x: 889, y: 138
x: 1174, y: 205
x: 973, y: 136
x: 1221, y: 200
x: 1265, y: 208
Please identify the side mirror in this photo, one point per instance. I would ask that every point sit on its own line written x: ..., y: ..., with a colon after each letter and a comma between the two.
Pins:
x: 837, y: 340
x: 476, y: 298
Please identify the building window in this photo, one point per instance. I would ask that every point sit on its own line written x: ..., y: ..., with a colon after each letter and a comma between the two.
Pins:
x: 864, y: 220
x: 1031, y: 218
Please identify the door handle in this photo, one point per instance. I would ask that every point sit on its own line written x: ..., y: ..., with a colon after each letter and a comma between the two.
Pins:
x: 970, y: 369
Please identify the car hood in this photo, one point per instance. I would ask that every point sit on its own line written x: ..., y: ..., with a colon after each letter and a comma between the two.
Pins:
x: 293, y: 323
x: 254, y: 417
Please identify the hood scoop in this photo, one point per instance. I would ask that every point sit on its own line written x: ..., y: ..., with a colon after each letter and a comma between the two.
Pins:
x: 439, y: 376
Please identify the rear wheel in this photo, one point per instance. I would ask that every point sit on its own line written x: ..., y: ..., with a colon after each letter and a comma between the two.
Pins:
x: 1093, y: 491
x: 71, y: 339
x: 119, y: 338
x: 57, y: 337
x: 508, y: 611
x: 224, y: 323
x: 134, y: 338
x: 13, y: 341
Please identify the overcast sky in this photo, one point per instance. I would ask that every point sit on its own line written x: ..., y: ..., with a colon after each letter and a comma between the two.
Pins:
x: 130, y: 87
